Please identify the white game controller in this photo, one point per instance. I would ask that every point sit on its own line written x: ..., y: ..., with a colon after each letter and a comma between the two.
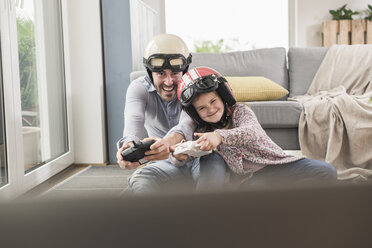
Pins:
x: 190, y: 148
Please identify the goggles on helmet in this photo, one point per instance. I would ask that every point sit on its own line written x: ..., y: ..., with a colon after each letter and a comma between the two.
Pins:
x: 160, y: 62
x: 200, y: 85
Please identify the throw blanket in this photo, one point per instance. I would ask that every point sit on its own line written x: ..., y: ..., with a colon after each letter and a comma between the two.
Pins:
x: 336, y: 122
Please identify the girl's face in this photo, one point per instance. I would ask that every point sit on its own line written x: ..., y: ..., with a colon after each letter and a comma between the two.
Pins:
x: 209, y: 106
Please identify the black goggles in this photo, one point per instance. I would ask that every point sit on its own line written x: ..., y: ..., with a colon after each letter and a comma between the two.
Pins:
x: 201, y: 85
x: 160, y: 62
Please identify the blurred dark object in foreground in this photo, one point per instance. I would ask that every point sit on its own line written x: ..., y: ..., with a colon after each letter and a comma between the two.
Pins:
x: 329, y: 216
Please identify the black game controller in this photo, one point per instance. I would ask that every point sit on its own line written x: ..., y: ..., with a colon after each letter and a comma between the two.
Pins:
x: 137, y: 152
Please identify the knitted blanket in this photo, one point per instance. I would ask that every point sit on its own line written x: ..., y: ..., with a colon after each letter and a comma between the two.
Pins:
x: 336, y: 122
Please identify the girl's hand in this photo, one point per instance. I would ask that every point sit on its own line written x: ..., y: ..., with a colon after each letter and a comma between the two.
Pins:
x: 180, y: 157
x: 208, y: 141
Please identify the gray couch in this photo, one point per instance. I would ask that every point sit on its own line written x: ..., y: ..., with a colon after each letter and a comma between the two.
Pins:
x: 279, y: 118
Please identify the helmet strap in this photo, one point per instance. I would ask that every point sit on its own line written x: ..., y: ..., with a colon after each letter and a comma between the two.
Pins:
x: 149, y: 72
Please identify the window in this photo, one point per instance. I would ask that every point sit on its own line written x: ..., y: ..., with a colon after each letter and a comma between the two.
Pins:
x: 42, y: 81
x: 35, y: 134
x: 3, y: 160
x: 228, y: 25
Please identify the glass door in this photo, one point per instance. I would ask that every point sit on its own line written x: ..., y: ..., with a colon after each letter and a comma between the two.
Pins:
x: 39, y: 110
x: 8, y: 185
x: 42, y: 84
x: 3, y: 161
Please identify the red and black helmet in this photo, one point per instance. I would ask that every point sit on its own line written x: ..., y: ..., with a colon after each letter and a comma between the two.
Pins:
x: 203, y: 80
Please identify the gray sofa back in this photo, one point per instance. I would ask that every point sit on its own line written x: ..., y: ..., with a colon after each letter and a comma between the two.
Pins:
x: 303, y: 64
x: 267, y: 62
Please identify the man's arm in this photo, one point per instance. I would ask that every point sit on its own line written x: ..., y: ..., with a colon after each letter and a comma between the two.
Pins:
x: 134, y: 113
x: 184, y: 130
x: 186, y: 127
x: 160, y: 149
x: 134, y: 120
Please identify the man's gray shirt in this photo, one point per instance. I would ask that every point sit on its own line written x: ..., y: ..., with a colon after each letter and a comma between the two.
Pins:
x: 144, y: 108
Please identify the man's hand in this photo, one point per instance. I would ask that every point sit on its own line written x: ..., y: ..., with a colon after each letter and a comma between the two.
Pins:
x: 126, y: 164
x: 158, y: 151
x: 208, y: 141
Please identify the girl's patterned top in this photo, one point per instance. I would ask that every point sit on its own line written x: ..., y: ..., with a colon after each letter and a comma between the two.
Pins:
x: 246, y: 147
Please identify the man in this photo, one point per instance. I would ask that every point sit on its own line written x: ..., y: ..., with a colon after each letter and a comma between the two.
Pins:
x: 152, y: 104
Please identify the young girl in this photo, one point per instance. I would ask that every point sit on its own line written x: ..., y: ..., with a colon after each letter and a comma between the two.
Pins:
x: 234, y: 131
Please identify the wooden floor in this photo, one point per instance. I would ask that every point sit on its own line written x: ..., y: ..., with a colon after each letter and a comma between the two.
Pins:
x: 51, y: 182
x: 70, y: 171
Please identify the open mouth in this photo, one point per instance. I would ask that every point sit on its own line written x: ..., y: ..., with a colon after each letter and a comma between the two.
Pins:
x: 168, y: 88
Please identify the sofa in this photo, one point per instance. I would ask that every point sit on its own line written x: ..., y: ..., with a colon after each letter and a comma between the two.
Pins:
x: 293, y: 71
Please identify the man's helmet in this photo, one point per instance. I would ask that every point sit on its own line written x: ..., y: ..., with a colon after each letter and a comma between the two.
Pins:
x: 203, y: 80
x: 166, y: 51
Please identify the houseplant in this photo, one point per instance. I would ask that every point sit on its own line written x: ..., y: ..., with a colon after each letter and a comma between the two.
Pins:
x: 343, y: 13
x: 369, y: 13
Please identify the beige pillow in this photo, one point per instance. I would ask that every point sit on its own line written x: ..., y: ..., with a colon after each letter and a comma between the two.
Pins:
x: 247, y: 89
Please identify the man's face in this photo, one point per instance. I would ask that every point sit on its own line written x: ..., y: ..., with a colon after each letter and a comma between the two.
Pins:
x: 166, y: 83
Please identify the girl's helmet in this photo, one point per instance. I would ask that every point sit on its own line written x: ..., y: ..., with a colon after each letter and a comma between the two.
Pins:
x: 202, y: 80
x: 166, y: 51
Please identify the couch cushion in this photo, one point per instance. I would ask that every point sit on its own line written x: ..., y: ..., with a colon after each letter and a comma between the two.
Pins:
x: 255, y: 89
x: 136, y: 74
x: 303, y: 64
x: 268, y: 62
x: 277, y: 114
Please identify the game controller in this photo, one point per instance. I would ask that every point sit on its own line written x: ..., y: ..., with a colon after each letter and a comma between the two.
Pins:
x: 136, y: 152
x: 190, y: 148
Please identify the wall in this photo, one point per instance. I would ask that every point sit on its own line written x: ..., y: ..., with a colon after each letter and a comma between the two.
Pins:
x: 311, y: 14
x: 88, y: 109
x: 118, y: 65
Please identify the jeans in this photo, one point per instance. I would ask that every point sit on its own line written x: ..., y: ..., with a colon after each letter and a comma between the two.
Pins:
x: 301, y: 172
x: 204, y: 173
